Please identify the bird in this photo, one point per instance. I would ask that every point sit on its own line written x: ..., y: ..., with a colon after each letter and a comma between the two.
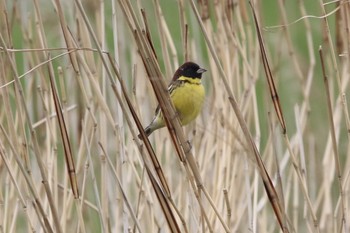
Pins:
x: 186, y: 93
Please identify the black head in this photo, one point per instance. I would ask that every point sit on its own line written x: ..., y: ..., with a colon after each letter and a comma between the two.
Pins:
x: 189, y: 69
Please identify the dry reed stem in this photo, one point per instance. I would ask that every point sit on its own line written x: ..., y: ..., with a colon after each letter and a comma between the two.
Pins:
x: 65, y: 138
x: 334, y: 141
x: 264, y: 175
x: 36, y: 146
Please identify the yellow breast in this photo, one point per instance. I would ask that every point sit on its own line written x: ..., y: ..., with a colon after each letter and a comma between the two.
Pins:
x: 188, y: 99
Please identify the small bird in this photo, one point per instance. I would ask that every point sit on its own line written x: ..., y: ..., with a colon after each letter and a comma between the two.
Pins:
x: 187, y: 94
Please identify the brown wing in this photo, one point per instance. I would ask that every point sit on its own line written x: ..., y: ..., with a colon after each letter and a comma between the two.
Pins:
x: 171, y: 87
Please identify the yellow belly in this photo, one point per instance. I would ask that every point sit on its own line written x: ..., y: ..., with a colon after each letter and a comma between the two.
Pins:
x: 188, y: 101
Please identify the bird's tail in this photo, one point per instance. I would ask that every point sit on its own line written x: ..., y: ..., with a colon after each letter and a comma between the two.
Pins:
x: 148, y: 130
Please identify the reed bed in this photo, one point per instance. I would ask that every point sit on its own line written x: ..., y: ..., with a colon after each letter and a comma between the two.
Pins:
x: 80, y: 79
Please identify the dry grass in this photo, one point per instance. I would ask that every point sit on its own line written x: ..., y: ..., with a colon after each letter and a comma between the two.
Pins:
x: 77, y: 79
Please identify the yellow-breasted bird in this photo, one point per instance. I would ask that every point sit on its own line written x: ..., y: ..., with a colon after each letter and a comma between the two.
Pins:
x: 187, y: 94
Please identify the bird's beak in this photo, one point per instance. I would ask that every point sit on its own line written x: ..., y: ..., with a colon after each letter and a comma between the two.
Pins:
x: 201, y: 71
